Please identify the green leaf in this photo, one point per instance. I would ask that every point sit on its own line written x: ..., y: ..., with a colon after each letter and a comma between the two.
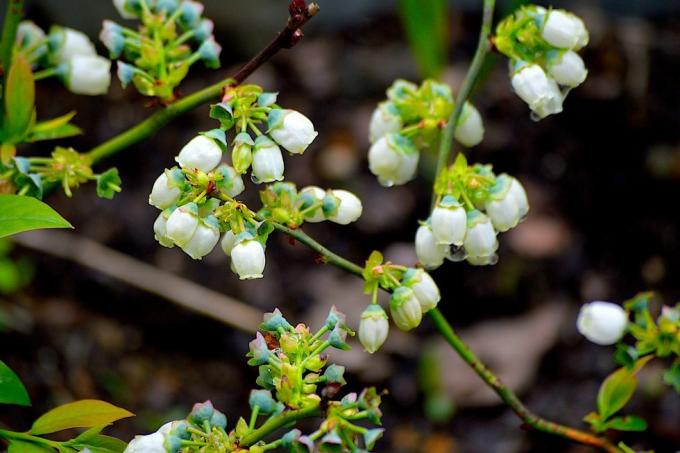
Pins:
x: 79, y: 414
x: 20, y: 213
x: 425, y: 22
x: 628, y: 423
x: 19, y: 100
x: 102, y: 444
x: 12, y: 391
x: 54, y: 129
x: 20, y: 446
x: 672, y: 376
x: 615, y: 392
x: 108, y: 184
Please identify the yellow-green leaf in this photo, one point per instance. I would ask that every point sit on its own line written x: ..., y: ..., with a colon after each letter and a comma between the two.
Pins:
x: 79, y: 414
x: 615, y: 392
x: 19, y: 100
x: 20, y: 446
x: 20, y: 213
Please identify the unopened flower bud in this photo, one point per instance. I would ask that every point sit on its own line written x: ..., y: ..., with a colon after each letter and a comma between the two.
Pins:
x: 424, y: 287
x: 568, y: 69
x: 112, y: 37
x: 291, y: 129
x: 248, y: 258
x: 393, y: 159
x: 209, y: 52
x: 502, y: 207
x: 312, y: 195
x: 204, y: 30
x: 231, y: 182
x: 349, y: 208
x: 182, y: 224
x: 125, y: 73
x: 161, y: 232
x: 373, y: 328
x: 190, y: 14
x: 564, y: 30
x: 204, y: 239
x: 263, y: 400
x: 88, y: 75
x: 201, y: 412
x: 430, y: 254
x: 31, y: 37
x: 385, y: 120
x: 470, y: 128
x: 539, y: 91
x: 602, y: 323
x: 242, y: 153
x: 480, y: 241
x: 405, y: 308
x: 169, y: 6
x: 125, y: 9
x: 65, y: 43
x: 166, y: 189
x: 449, y: 222
x: 201, y: 153
x: 267, y: 160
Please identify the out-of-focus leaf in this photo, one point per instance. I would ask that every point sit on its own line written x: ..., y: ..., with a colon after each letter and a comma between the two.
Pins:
x: 19, y: 100
x: 12, y: 391
x: 19, y: 446
x: 54, y: 129
x: 426, y: 23
x: 20, y: 213
x: 79, y: 414
x: 628, y: 423
x: 672, y: 376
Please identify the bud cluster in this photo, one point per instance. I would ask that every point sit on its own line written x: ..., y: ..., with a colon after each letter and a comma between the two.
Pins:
x: 414, y: 293
x: 171, y: 37
x: 473, y: 205
x: 410, y: 120
x: 66, y: 53
x: 542, y: 45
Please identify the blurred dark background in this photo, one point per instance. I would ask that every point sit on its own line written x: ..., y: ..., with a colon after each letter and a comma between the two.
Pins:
x: 602, y: 177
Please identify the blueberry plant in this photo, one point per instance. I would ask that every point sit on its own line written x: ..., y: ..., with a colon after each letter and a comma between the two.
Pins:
x: 199, y: 208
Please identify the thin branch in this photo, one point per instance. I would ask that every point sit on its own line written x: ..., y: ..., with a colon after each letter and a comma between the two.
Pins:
x: 285, y: 39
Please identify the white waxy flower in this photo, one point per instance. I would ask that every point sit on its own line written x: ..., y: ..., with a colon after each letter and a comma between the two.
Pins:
x: 373, y: 328
x: 151, y: 443
x: 231, y: 182
x: 385, y: 120
x: 349, y: 208
x: 291, y: 129
x: 113, y: 38
x: 161, y: 232
x: 166, y: 189
x: 568, y: 69
x: 405, y: 308
x: 182, y: 224
x: 204, y: 239
x: 603, y: 323
x: 480, y: 241
x: 502, y: 207
x: 123, y: 9
x: 201, y: 153
x: 520, y: 195
x: 393, y: 159
x: 67, y: 43
x: 89, y: 75
x: 539, y: 91
x: 430, y: 254
x: 29, y: 35
x: 564, y: 30
x: 313, y: 195
x: 424, y: 287
x: 228, y: 242
x: 267, y: 160
x: 449, y: 222
x: 247, y: 258
x: 470, y: 127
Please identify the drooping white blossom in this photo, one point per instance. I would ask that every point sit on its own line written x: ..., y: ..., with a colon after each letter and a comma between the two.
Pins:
x: 201, y: 153
x: 88, y: 75
x: 405, y: 308
x: 449, y: 222
x: 267, y: 163
x: 539, y: 91
x: 603, y: 323
x: 373, y: 328
x: 291, y: 129
x: 385, y: 120
x: 393, y: 159
x: 349, y: 208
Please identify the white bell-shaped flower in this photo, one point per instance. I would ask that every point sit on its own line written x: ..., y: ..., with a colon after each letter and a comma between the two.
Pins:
x: 161, y: 231
x: 66, y: 43
x: 539, y: 91
x: 291, y: 129
x: 385, y: 120
x: 267, y: 163
x: 373, y: 328
x: 520, y: 195
x: 349, y: 208
x: 564, y: 30
x: 182, y: 224
x: 393, y: 159
x: 430, y: 254
x: 201, y: 153
x: 204, y: 239
x: 502, y: 207
x: 424, y: 287
x: 247, y: 257
x: 313, y: 195
x: 568, y: 69
x: 480, y: 241
x: 88, y: 75
x: 405, y: 308
x: 449, y: 222
x: 602, y: 323
x: 228, y: 242
x: 166, y: 189
x: 470, y: 128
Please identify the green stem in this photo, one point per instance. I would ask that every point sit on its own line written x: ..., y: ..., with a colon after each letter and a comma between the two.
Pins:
x: 9, y: 435
x: 278, y: 422
x: 45, y: 73
x: 13, y: 15
x: 483, y: 46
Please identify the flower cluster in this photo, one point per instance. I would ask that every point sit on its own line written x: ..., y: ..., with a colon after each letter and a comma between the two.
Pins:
x: 414, y: 293
x: 472, y: 206
x: 157, y: 56
x: 410, y: 121
x: 295, y: 379
x: 542, y: 45
x: 66, y: 53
